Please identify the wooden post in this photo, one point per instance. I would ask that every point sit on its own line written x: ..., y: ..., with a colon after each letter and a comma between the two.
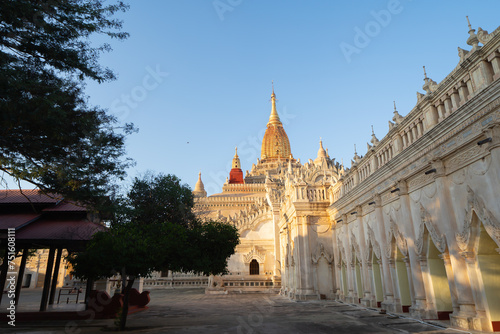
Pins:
x: 4, y: 269
x: 46, y: 283
x: 54, y: 278
x: 90, y: 284
x: 20, y: 275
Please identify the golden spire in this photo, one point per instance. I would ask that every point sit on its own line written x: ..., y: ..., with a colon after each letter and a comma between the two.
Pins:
x: 274, y: 118
x: 236, y: 159
x: 275, y: 144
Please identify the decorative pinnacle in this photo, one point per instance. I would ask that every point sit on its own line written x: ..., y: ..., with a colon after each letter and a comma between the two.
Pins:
x: 468, y: 23
x: 274, y: 118
x: 236, y: 152
x: 372, y: 131
x: 425, y: 74
x: 395, y: 106
x: 355, y: 149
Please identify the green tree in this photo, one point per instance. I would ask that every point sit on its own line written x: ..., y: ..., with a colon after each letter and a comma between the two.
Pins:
x: 160, y: 198
x: 129, y: 249
x: 49, y: 135
x: 209, y: 245
x: 149, y: 233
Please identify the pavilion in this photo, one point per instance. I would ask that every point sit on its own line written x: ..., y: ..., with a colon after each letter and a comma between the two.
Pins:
x: 42, y: 221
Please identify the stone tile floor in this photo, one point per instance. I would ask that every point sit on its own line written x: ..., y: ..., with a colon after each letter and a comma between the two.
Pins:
x: 191, y: 311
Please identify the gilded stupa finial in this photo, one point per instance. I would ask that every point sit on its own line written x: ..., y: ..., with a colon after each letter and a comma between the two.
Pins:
x: 236, y: 160
x: 274, y: 118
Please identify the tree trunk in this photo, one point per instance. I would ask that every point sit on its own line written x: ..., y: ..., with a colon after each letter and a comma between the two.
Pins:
x: 124, y: 279
x: 123, y: 318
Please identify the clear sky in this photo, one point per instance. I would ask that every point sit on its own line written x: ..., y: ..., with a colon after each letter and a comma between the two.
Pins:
x: 195, y: 76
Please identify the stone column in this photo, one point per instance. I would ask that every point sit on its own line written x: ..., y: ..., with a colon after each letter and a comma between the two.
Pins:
x: 455, y: 99
x: 289, y: 267
x: 431, y: 118
x: 446, y: 216
x: 349, y: 264
x: 415, y: 310
x: 367, y: 293
x: 277, y: 249
x: 396, y: 306
x: 420, y: 127
x: 331, y: 280
x: 493, y: 132
x: 414, y: 132
x: 475, y: 314
x: 315, y: 284
x: 494, y: 59
x: 429, y: 290
x: 387, y: 283
x: 385, y: 280
x: 441, y: 111
x: 447, y: 106
x: 305, y: 287
x: 451, y: 281
x: 470, y: 89
x: 337, y: 260
x: 415, y: 274
x: 405, y: 143
x: 373, y: 297
x: 297, y: 261
x: 486, y: 73
x: 398, y: 146
x: 462, y: 92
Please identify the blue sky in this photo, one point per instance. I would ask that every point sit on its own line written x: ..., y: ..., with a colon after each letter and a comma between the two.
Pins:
x: 195, y: 76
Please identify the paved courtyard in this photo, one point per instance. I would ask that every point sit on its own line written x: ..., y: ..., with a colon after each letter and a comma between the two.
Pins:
x: 191, y: 311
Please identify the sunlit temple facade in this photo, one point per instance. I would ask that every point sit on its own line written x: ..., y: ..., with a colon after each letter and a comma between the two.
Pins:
x: 412, y: 226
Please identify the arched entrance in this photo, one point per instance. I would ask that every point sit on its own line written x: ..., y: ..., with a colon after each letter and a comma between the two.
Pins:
x: 403, y: 282
x: 440, y: 284
x: 254, y: 267
x: 488, y: 260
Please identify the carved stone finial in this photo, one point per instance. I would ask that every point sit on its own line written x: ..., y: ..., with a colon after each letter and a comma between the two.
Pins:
x: 483, y: 36
x: 429, y: 85
x: 397, y: 118
x: 472, y: 40
x: 374, y: 139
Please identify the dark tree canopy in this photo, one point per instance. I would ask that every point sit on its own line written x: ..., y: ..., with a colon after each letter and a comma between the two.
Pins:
x: 161, y: 198
x: 49, y: 134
